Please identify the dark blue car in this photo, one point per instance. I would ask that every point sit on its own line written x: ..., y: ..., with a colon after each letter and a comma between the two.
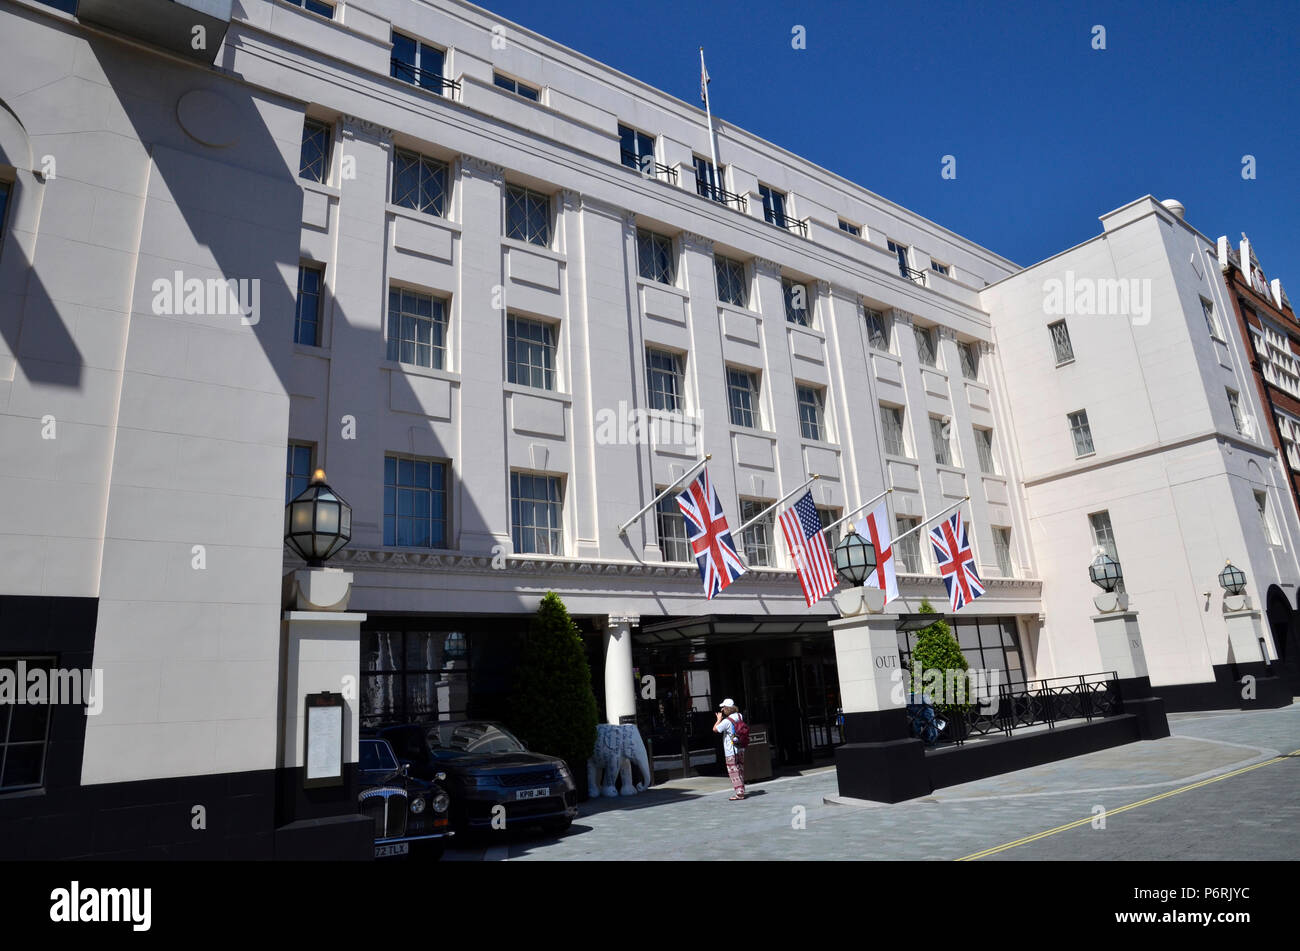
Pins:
x: 406, y: 809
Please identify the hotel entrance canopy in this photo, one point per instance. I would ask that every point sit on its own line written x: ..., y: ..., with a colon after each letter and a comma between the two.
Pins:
x: 722, y: 628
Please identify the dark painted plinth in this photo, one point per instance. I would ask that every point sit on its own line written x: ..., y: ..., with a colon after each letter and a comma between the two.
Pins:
x: 1224, y: 692
x: 888, y: 771
x: 350, y: 838
x: 1149, y: 711
x: 1270, y: 694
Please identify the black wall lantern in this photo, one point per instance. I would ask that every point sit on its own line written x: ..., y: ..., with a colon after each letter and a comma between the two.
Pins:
x: 855, y: 559
x: 318, y: 523
x: 1105, y: 572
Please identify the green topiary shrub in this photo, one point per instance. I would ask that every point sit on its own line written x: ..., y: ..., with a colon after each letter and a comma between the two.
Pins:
x: 937, y: 650
x: 552, y: 707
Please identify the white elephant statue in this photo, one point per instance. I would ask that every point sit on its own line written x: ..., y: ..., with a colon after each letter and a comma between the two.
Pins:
x: 618, y: 747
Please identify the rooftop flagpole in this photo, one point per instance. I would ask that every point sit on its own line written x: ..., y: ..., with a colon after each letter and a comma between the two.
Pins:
x: 855, y: 511
x: 708, y: 112
x: 783, y: 498
x: 622, y: 529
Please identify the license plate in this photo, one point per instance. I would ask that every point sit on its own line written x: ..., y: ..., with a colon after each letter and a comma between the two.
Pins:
x: 541, y: 793
x: 397, y: 848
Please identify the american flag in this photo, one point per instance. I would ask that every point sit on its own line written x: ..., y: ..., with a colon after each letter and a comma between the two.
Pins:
x: 706, y: 527
x: 956, y: 561
x: 812, y: 559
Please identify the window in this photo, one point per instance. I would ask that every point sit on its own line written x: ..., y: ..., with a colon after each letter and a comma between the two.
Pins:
x: 732, y: 286
x: 306, y: 320
x: 984, y: 446
x: 315, y: 6
x: 970, y: 360
x: 757, y: 539
x: 773, y: 205
x: 812, y: 412
x: 411, y: 676
x: 672, y: 530
x: 891, y: 430
x: 515, y: 86
x: 830, y: 517
x: 654, y: 257
x: 1103, y: 538
x: 925, y: 350
x: 1234, y: 404
x: 987, y: 643
x: 528, y: 216
x: 850, y: 228
x: 67, y: 6
x: 1081, y: 433
x: 940, y: 429
x: 1266, y: 523
x: 535, y: 512
x: 1002, y: 549
x: 1061, y: 342
x: 797, y: 310
x: 419, y: 183
x: 1211, y: 321
x: 663, y: 379
x: 530, y: 353
x: 1288, y: 428
x: 907, y: 550
x: 708, y: 179
x: 638, y: 149
x: 417, y: 328
x: 938, y: 268
x: 417, y: 63
x: 879, y: 327
x: 415, y: 503
x: 742, y: 397
x: 24, y: 729
x: 314, y: 164
x: 900, y: 251
x: 298, y: 469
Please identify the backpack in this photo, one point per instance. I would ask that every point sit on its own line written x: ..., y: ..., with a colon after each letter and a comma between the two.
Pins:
x: 741, y: 735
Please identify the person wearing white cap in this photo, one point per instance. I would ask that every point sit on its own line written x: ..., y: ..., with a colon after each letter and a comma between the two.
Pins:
x: 735, y: 737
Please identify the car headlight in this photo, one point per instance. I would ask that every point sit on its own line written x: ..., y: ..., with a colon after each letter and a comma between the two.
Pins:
x: 440, y: 777
x: 440, y: 802
x: 563, y: 771
x: 417, y: 805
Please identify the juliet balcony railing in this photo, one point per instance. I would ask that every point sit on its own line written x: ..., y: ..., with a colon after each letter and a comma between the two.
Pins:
x: 721, y: 195
x: 912, y: 274
x: 648, y: 167
x: 424, y: 78
x: 789, y: 224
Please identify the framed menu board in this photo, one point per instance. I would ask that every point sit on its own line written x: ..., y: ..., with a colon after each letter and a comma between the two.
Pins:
x: 323, y: 740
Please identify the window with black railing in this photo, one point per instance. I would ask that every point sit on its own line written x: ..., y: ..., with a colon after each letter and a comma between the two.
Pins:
x: 420, y: 65
x: 774, y: 211
x: 637, y: 151
x: 708, y: 183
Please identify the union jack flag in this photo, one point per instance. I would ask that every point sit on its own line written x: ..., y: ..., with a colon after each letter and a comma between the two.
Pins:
x: 706, y: 527
x: 956, y: 561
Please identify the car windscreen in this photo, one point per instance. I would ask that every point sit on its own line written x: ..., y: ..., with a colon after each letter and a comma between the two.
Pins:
x: 376, y: 756
x: 471, y: 738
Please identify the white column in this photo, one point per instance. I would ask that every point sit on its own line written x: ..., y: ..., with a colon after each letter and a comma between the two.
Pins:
x: 1120, y: 643
x: 1244, y: 634
x: 868, y: 663
x: 620, y: 691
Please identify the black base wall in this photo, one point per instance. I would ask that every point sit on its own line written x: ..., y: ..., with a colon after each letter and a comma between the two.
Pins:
x: 1224, y: 692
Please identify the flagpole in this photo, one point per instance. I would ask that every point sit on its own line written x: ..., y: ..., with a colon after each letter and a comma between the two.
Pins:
x: 920, y: 525
x: 708, y: 112
x: 858, y: 509
x: 622, y: 529
x: 776, y: 503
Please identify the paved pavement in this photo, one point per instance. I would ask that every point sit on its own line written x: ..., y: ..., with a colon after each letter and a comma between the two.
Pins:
x: 1242, y: 805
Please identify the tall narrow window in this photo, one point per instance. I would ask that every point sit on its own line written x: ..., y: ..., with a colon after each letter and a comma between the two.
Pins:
x: 732, y: 286
x: 1234, y: 404
x: 306, y: 320
x: 940, y: 433
x: 1081, y: 432
x: 891, y: 430
x: 1266, y: 523
x: 528, y: 216
x: 970, y: 361
x: 830, y: 517
x: 900, y: 251
x: 879, y: 327
x: 417, y: 328
x: 1103, y: 538
x: 530, y: 352
x: 535, y: 514
x: 654, y: 257
x: 638, y: 149
x: 663, y: 377
x: 812, y: 412
x: 417, y: 63
x: 773, y: 205
x: 24, y: 728
x: 1211, y: 321
x: 419, y: 183
x: 314, y: 164
x: 1061, y: 344
x: 908, y: 550
x: 742, y: 397
x: 298, y: 469
x: 708, y: 179
x: 797, y: 309
x: 984, y: 446
x: 672, y: 530
x: 415, y: 502
x: 516, y: 87
x: 757, y: 539
x: 925, y: 350
x: 1002, y: 549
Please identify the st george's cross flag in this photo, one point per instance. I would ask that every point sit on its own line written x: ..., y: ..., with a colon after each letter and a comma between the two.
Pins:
x: 875, y: 529
x: 812, y: 559
x: 956, y: 561
x: 710, y: 538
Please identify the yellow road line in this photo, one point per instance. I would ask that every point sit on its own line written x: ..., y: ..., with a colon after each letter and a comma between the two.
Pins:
x: 1114, y: 812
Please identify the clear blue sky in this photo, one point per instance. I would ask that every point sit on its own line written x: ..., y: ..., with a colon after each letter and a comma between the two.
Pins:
x: 1048, y: 133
